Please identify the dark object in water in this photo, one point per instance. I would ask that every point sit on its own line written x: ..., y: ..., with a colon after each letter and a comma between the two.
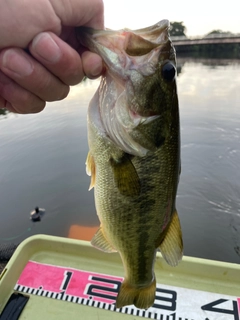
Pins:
x: 6, y: 251
x: 37, y: 214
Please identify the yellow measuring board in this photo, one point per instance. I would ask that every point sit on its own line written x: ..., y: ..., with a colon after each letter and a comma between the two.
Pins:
x: 60, y: 278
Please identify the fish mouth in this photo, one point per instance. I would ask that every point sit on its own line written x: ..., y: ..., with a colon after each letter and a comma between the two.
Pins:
x: 112, y: 45
x: 136, y: 42
x: 130, y: 57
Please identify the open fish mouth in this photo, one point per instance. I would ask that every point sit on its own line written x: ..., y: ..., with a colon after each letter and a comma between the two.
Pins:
x: 130, y: 57
x: 126, y: 49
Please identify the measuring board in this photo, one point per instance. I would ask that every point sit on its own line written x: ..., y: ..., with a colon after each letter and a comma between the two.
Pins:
x: 57, y: 278
x: 100, y: 291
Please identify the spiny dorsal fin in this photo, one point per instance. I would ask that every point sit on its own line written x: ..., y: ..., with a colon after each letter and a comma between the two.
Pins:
x: 125, y: 176
x: 100, y: 242
x: 90, y: 169
x: 171, y: 246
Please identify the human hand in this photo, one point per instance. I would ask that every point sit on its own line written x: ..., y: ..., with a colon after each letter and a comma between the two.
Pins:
x: 54, y: 59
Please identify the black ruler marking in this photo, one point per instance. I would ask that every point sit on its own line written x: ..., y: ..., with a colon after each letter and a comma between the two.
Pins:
x: 89, y: 302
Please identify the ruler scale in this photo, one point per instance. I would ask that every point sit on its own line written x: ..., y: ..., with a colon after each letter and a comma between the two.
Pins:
x: 96, y: 290
x: 91, y: 303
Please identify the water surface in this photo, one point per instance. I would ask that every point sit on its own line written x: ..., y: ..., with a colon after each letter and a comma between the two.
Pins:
x: 42, y: 163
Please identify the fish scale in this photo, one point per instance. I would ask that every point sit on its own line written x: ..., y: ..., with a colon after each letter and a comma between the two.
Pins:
x: 134, y: 154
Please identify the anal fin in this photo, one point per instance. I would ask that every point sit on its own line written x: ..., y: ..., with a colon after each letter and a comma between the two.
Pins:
x: 100, y: 242
x: 125, y: 176
x: 90, y: 169
x: 171, y: 246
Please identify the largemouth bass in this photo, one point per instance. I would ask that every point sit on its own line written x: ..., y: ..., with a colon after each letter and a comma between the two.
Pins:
x: 134, y: 154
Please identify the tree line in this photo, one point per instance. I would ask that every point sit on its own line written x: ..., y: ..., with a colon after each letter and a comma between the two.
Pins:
x: 177, y: 28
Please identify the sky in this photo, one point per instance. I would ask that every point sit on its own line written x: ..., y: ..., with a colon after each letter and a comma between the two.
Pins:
x: 199, y: 17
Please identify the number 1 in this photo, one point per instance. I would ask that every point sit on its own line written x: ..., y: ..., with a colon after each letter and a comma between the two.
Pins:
x: 66, y: 279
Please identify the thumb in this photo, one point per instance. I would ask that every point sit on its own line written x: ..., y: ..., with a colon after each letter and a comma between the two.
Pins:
x: 77, y: 13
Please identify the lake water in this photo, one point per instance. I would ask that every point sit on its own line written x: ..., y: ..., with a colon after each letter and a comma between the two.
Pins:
x: 42, y: 163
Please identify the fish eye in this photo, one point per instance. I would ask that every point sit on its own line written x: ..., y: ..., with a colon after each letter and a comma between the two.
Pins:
x: 168, y: 71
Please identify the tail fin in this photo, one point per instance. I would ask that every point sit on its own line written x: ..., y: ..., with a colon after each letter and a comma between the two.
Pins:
x: 142, y: 298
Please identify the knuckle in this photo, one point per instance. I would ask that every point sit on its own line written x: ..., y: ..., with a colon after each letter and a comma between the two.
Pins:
x: 73, y: 72
x: 38, y: 107
x: 18, y: 99
x: 59, y: 93
x: 51, y: 89
x: 28, y: 103
x: 100, y: 5
x: 63, y: 93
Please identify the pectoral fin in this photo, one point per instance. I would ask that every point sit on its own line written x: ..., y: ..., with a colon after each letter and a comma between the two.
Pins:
x: 171, y: 246
x: 90, y: 169
x: 100, y: 242
x: 125, y: 176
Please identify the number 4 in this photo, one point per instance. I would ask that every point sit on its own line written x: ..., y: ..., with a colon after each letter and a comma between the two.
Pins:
x: 211, y: 307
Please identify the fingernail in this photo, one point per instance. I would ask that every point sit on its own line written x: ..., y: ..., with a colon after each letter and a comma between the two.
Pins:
x: 96, y: 70
x: 44, y: 45
x: 15, y: 61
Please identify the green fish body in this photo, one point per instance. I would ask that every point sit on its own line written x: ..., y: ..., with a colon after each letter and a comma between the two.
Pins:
x: 134, y: 154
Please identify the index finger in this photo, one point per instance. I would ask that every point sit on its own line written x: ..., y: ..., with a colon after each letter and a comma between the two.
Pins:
x: 80, y: 12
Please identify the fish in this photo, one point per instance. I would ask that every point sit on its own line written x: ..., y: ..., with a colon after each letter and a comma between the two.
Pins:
x: 134, y: 154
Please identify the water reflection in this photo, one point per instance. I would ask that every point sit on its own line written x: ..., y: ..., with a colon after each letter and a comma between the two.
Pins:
x: 42, y: 163
x: 209, y: 189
